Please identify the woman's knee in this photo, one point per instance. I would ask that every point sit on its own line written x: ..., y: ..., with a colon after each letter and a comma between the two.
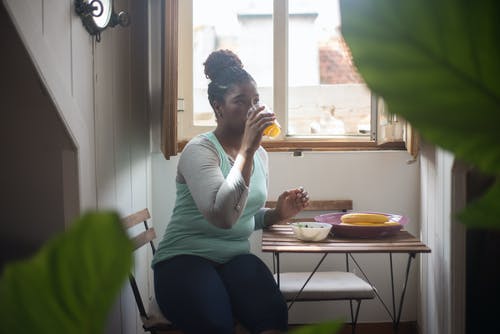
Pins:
x: 255, y: 296
x: 191, y: 295
x: 246, y: 267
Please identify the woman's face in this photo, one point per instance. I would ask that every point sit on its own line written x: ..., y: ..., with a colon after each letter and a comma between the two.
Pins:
x: 238, y: 100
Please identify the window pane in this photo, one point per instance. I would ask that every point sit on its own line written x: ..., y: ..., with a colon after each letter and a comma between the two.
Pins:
x: 243, y: 26
x: 326, y: 95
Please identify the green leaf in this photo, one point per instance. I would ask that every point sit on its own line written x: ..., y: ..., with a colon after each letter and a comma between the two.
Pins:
x: 70, y: 285
x: 437, y: 64
x: 330, y: 327
x: 485, y: 212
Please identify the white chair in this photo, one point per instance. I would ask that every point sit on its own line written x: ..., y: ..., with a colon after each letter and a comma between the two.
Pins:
x: 326, y: 285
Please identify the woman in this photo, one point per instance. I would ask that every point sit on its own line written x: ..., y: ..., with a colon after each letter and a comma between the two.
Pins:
x: 205, y: 275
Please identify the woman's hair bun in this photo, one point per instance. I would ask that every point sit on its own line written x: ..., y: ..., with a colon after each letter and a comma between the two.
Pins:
x: 220, y: 60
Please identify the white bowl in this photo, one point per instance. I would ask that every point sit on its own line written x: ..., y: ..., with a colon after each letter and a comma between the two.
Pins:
x: 311, y: 231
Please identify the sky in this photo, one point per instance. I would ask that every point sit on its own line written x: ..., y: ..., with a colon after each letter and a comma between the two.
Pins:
x: 222, y: 13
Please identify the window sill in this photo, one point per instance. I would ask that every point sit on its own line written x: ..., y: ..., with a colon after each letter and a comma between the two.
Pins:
x: 311, y: 145
x: 292, y: 145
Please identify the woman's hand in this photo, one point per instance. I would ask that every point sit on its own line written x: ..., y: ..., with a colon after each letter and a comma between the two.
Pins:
x: 290, y: 203
x: 257, y: 122
x: 254, y: 127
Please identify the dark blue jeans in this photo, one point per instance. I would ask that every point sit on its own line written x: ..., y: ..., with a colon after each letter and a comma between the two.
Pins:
x: 203, y: 297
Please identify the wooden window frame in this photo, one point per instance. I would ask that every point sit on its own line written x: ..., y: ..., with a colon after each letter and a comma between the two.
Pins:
x: 169, y: 141
x: 169, y: 145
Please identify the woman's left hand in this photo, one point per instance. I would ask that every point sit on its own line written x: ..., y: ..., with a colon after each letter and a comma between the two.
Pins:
x: 291, y: 202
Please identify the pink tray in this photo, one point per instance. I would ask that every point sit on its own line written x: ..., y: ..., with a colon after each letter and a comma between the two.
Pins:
x: 352, y: 231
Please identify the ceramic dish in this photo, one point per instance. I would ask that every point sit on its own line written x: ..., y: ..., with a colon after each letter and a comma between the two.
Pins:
x: 311, y: 231
x: 355, y: 231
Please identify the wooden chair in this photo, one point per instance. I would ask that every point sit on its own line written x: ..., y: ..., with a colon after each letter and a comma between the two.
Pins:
x: 325, y: 285
x: 153, y: 320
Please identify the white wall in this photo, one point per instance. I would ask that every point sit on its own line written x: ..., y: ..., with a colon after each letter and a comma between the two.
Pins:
x: 100, y: 92
x: 442, y: 308
x: 379, y: 181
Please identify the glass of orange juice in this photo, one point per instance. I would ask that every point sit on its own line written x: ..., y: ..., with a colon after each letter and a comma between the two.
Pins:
x: 273, y: 130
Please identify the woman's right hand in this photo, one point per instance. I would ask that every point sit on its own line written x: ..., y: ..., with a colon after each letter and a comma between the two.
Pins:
x: 257, y: 122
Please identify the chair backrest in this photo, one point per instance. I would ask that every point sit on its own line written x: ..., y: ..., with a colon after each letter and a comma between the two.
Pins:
x: 139, y: 240
x: 152, y: 319
x: 323, y: 205
x: 141, y: 217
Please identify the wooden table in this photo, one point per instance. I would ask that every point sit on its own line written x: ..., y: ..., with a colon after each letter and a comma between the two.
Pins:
x: 279, y: 239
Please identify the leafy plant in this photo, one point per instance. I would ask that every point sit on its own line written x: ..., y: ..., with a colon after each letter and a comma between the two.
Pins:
x: 70, y: 284
x: 329, y: 327
x: 437, y: 64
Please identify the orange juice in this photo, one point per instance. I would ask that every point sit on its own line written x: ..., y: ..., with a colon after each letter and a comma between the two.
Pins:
x: 273, y: 130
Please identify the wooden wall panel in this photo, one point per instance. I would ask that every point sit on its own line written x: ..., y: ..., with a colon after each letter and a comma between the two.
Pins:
x: 28, y: 18
x: 436, y: 314
x: 122, y: 136
x: 82, y: 69
x: 56, y: 18
x: 37, y: 7
x: 34, y: 176
x: 139, y: 120
x: 100, y: 91
x: 104, y: 104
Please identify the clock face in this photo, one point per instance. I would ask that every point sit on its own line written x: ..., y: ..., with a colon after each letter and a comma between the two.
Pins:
x: 102, y: 13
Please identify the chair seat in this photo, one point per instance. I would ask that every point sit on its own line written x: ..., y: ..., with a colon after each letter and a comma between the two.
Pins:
x: 325, y: 285
x: 156, y: 320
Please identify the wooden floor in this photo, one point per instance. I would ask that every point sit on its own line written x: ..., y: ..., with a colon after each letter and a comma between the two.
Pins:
x: 362, y: 328
x: 380, y: 328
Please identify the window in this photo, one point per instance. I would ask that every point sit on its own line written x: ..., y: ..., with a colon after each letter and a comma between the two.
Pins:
x: 302, y: 66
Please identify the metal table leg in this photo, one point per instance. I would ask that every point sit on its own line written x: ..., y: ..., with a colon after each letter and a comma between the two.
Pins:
x: 276, y: 266
x: 411, y: 256
x: 307, y: 281
x: 395, y: 315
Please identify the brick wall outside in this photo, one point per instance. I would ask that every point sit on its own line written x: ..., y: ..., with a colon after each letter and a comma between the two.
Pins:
x: 335, y: 61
